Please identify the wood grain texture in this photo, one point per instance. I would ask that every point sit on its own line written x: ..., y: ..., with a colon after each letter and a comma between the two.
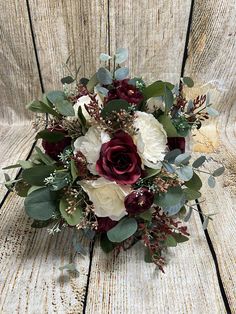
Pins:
x: 155, y: 34
x: 127, y: 284
x: 30, y: 279
x: 15, y: 144
x: 79, y: 28
x: 19, y: 79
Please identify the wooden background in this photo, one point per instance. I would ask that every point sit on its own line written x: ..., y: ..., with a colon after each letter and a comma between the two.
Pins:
x: 166, y: 39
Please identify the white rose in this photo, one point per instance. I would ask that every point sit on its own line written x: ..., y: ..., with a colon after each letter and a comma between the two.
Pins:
x: 86, y: 100
x: 150, y: 139
x: 107, y: 197
x: 155, y: 103
x: 90, y: 145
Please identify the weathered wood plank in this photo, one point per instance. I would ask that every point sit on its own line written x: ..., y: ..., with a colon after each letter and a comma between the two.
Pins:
x: 79, y: 28
x: 15, y: 144
x: 127, y: 284
x: 19, y: 79
x: 155, y: 34
x: 30, y: 279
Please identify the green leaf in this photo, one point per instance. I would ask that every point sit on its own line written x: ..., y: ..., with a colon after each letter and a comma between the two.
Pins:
x: 185, y: 173
x: 171, y: 155
x: 212, y: 112
x: 171, y: 201
x: 40, y: 223
x: 34, y: 188
x: 65, y: 108
x: 151, y: 173
x: 168, y: 125
x: 55, y: 96
x: 25, y: 164
x: 50, y: 136
x: 121, y: 73
x: 102, y: 90
x: 195, y: 183
x: 67, y: 80
x: 106, y: 245
x: 36, y: 175
x: 47, y: 160
x: 123, y: 230
x: 61, y: 179
x: 147, y: 215
x: 22, y: 188
x: 205, y: 222
x: 74, y: 170
x: 168, y: 167
x: 211, y: 182
x: 104, y: 57
x: 182, y: 159
x: 188, y: 81
x: 154, y: 90
x: 41, y: 204
x: 218, y: 172
x: 92, y: 83
x: 199, y: 162
x: 180, y: 238
x: 104, y: 76
x: 191, y: 194
x: 114, y: 105
x: 148, y: 256
x: 12, y: 167
x: 75, y: 217
x: 170, y: 241
x: 41, y: 107
x: 121, y: 55
x: 168, y: 99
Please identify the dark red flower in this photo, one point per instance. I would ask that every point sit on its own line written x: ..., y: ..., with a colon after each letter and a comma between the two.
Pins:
x: 105, y: 224
x: 54, y: 149
x: 124, y: 90
x: 139, y: 201
x: 119, y: 160
x: 176, y: 142
x: 81, y: 164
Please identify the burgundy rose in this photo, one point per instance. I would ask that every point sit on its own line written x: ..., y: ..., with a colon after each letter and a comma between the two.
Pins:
x: 54, y: 149
x: 126, y: 91
x: 139, y: 201
x: 105, y: 224
x: 176, y: 142
x: 119, y: 160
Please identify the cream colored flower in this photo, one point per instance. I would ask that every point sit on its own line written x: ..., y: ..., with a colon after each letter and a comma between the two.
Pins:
x: 155, y: 103
x: 150, y: 139
x: 86, y: 100
x: 90, y: 145
x: 107, y: 197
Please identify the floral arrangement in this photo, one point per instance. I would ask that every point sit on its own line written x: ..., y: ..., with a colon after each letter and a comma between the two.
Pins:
x: 112, y: 161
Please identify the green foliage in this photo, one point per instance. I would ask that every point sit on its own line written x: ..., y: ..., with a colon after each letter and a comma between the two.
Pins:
x: 40, y: 223
x: 171, y: 155
x: 22, y: 188
x: 106, y: 245
x: 168, y: 98
x: 123, y: 230
x: 184, y: 173
x: 55, y: 96
x: 47, y: 160
x: 147, y: 256
x: 74, y: 170
x: 147, y: 215
x: 60, y: 180
x: 218, y: 172
x: 182, y: 159
x: 104, y: 57
x: 158, y: 88
x: 191, y: 194
x: 104, y: 76
x: 180, y: 238
x: 41, y: 107
x: 67, y: 80
x: 188, y: 81
x: 75, y: 217
x: 50, y: 136
x: 36, y: 175
x: 65, y: 108
x: 92, y: 83
x: 121, y: 55
x: 168, y: 125
x: 170, y: 241
x: 121, y: 73
x: 171, y: 201
x: 199, y: 161
x: 212, y: 112
x: 114, y: 105
x: 195, y: 183
x: 41, y: 204
x: 151, y: 173
x: 211, y: 181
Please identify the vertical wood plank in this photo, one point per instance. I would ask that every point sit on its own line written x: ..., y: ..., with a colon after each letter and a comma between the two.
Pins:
x: 79, y: 28
x: 19, y: 79
x: 154, y: 32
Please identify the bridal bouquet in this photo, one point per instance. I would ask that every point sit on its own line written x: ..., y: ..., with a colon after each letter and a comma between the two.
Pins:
x: 111, y: 160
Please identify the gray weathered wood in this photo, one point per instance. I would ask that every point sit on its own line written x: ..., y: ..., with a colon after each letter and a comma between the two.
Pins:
x: 79, y: 28
x: 19, y: 79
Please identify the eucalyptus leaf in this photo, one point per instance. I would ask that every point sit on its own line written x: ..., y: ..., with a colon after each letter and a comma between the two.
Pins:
x: 41, y: 107
x: 188, y: 81
x: 154, y: 90
x: 168, y: 125
x: 218, y: 172
x: 147, y: 215
x: 25, y: 164
x: 123, y: 230
x: 102, y: 90
x: 67, y: 80
x: 184, y: 173
x: 104, y: 57
x: 37, y: 174
x: 171, y: 155
x: 73, y: 218
x: 191, y: 194
x: 190, y: 106
x: 104, y: 76
x: 180, y: 238
x: 121, y: 73
x: 182, y: 159
x: 61, y: 179
x: 212, y: 112
x: 194, y: 183
x: 92, y: 83
x: 41, y: 204
x: 168, y: 167
x: 50, y: 136
x: 47, y: 160
x: 170, y: 241
x: 151, y: 173
x: 74, y: 170
x: 114, y: 105
x: 22, y: 188
x: 65, y: 108
x: 106, y: 245
x: 55, y: 96
x: 199, y: 162
x: 211, y: 181
x: 121, y: 55
x: 168, y: 98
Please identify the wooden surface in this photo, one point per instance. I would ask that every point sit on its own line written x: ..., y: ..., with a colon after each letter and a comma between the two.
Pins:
x: 200, y: 276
